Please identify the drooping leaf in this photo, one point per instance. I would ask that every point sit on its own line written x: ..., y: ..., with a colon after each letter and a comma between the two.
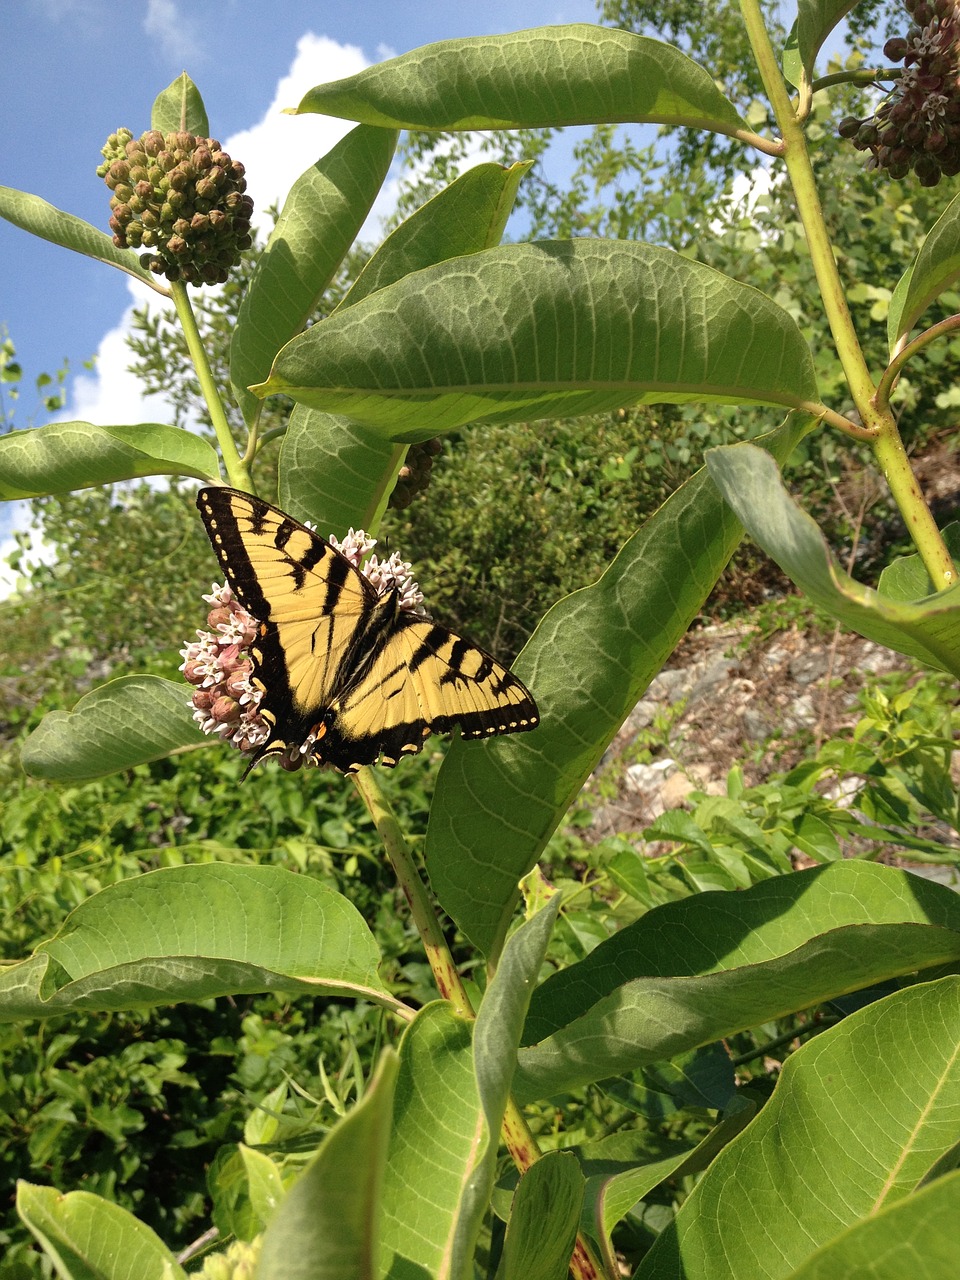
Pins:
x: 190, y: 933
x: 587, y: 665
x: 328, y: 1225
x: 543, y: 1220
x: 179, y: 108
x: 693, y: 971
x: 935, y: 269
x: 544, y: 77
x: 53, y: 224
x: 126, y: 722
x: 546, y: 329
x: 89, y: 1238
x: 265, y: 1185
x: 847, y: 1135
x: 326, y: 207
x: 928, y: 628
x: 64, y: 456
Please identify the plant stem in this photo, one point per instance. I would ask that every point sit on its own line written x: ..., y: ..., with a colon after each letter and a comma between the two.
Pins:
x: 414, y: 890
x: 876, y: 418
x: 237, y: 471
x: 516, y: 1133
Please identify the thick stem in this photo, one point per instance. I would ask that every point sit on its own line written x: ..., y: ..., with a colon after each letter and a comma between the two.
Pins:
x: 237, y: 471
x: 887, y: 445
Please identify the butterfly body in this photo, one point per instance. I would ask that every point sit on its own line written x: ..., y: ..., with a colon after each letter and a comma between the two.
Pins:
x: 347, y: 673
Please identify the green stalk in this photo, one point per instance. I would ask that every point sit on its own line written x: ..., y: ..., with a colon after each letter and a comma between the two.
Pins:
x: 887, y: 445
x: 516, y: 1133
x: 237, y: 472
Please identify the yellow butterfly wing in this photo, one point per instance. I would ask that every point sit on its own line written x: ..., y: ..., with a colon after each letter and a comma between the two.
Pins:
x: 423, y: 679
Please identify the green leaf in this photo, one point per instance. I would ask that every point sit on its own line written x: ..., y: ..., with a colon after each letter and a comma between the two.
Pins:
x: 452, y: 1090
x: 587, y: 664
x: 326, y: 207
x: 916, y: 1237
x: 332, y: 470
x: 548, y: 329
x: 88, y: 1238
x: 126, y: 722
x: 191, y: 933
x: 935, y: 269
x: 180, y: 109
x: 49, y: 223
x: 694, y: 971
x: 77, y: 455
x: 906, y: 577
x: 815, y: 20
x: 544, y: 1220
x: 546, y: 77
x: 328, y: 1226
x: 620, y: 1172
x: 819, y: 1175
x: 927, y: 629
x: 265, y: 1185
x: 438, y: 1124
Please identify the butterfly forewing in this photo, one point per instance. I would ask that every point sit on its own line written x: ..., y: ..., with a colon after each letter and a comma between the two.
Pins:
x: 313, y: 603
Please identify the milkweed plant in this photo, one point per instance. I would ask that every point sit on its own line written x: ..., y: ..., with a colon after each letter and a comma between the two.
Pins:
x: 849, y: 1167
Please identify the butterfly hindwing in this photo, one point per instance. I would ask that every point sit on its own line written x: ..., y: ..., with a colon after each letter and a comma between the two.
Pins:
x: 424, y: 679
x: 340, y: 665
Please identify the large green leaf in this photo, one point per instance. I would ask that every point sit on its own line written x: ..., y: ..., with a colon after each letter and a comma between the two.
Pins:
x: 50, y: 223
x: 549, y: 329
x: 548, y: 76
x: 76, y: 455
x: 928, y: 629
x: 451, y: 1093
x: 127, y: 722
x: 328, y: 1225
x: 915, y: 1237
x: 180, y: 107
x: 321, y: 216
x: 936, y: 268
x: 857, y: 1117
x: 189, y: 933
x: 334, y: 471
x: 88, y: 1238
x: 693, y: 971
x: 587, y: 664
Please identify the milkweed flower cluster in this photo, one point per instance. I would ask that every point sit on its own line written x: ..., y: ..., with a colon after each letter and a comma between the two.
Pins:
x: 219, y: 664
x: 918, y: 125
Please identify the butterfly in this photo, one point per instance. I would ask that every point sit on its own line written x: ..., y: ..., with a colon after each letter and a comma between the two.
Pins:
x: 345, y: 673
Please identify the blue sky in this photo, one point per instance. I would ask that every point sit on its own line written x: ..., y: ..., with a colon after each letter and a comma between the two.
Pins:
x: 73, y: 70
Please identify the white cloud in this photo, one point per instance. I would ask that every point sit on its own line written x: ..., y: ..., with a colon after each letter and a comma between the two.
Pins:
x: 173, y: 32
x: 277, y: 149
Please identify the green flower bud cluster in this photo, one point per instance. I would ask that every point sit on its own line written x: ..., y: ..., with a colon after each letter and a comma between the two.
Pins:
x: 180, y: 198
x: 918, y: 126
x: 414, y: 476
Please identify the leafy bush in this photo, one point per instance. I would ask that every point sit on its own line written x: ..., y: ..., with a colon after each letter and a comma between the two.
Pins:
x: 625, y: 1057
